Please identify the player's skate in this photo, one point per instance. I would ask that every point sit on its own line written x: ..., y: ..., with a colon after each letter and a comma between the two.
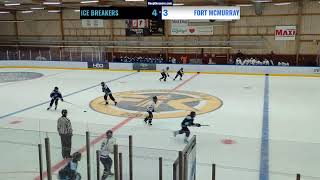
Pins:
x: 48, y: 108
x: 175, y: 133
x: 115, y: 103
x: 55, y: 108
x: 104, y: 176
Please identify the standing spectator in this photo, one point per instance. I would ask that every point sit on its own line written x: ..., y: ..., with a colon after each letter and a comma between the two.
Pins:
x: 65, y: 131
x: 239, y: 55
x: 69, y: 172
x: 173, y: 60
x: 105, y: 151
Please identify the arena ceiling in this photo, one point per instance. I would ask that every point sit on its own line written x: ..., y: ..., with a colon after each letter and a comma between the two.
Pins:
x: 75, y: 4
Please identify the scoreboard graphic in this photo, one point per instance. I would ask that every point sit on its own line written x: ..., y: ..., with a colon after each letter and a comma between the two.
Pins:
x: 154, y: 12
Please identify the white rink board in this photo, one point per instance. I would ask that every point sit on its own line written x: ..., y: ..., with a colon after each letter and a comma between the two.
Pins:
x: 53, y: 64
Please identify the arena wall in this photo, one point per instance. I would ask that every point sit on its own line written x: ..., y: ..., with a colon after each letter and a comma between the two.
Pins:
x: 46, y: 26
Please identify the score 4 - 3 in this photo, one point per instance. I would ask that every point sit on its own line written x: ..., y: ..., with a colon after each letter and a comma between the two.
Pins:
x: 156, y: 12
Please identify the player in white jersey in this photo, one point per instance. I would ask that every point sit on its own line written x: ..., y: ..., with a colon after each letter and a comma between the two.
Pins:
x: 164, y: 74
x: 150, y: 109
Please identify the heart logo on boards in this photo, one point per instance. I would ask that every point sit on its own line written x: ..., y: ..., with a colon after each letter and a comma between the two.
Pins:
x: 192, y: 30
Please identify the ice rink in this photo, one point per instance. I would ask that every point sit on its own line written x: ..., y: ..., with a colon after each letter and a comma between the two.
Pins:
x: 261, y: 127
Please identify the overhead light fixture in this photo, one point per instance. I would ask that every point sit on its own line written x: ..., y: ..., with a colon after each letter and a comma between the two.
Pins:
x: 77, y: 10
x: 244, y: 5
x: 51, y: 3
x: 25, y: 12
x: 88, y: 2
x: 282, y: 4
x: 133, y: 0
x: 262, y: 1
x: 12, y: 4
x: 53, y: 11
x: 4, y: 12
x: 178, y: 4
x: 8, y: 21
x: 37, y: 8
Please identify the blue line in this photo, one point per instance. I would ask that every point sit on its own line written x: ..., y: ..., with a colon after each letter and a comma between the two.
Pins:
x: 264, y: 154
x: 40, y: 104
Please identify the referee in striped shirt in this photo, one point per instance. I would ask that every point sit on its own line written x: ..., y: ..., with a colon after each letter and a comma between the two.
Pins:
x: 65, y: 131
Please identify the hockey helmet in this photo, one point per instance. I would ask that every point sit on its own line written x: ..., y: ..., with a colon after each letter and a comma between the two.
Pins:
x: 76, y: 156
x: 155, y: 98
x: 64, y: 112
x: 56, y: 88
x: 109, y: 133
x: 167, y: 68
x: 193, y: 114
x: 102, y: 83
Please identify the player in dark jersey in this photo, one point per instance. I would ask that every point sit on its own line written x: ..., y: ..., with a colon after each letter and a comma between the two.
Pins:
x: 107, y: 92
x: 69, y: 172
x: 179, y: 73
x: 55, y: 96
x: 164, y: 74
x: 188, y: 121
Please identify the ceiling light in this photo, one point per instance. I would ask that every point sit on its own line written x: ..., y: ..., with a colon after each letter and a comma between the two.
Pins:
x: 77, y: 10
x: 8, y: 21
x: 12, y: 4
x: 244, y: 5
x: 262, y: 1
x: 53, y: 11
x: 37, y: 8
x: 25, y: 12
x: 134, y: 0
x: 4, y: 12
x: 178, y: 4
x: 87, y: 2
x: 282, y: 4
x: 51, y: 3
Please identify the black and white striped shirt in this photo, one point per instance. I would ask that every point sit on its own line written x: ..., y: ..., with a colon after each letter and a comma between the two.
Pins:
x: 64, y: 126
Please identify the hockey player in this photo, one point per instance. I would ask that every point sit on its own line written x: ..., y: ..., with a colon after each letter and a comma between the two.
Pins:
x: 188, y: 121
x: 150, y: 110
x: 164, y: 74
x: 69, y: 172
x: 105, y: 152
x: 55, y: 96
x: 179, y: 73
x: 107, y: 92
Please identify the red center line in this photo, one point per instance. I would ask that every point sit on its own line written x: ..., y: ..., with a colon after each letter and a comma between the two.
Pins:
x: 62, y: 163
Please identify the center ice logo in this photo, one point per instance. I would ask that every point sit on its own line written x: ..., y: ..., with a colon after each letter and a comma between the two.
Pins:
x: 170, y: 104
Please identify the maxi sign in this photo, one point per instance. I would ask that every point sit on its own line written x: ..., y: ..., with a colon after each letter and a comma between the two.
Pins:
x: 285, y: 33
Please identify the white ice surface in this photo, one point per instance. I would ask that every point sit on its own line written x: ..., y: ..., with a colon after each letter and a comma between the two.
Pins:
x: 293, y: 124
